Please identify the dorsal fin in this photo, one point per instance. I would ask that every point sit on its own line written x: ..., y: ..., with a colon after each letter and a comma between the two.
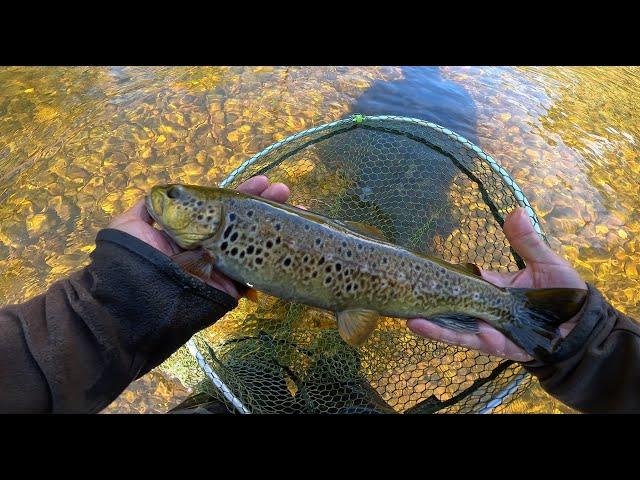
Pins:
x: 364, y: 229
x: 468, y: 268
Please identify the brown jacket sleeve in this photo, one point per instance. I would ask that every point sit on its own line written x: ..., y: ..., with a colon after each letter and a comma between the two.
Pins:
x: 77, y: 347
x: 597, y: 367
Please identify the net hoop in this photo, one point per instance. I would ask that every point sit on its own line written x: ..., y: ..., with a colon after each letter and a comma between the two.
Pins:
x: 349, y: 122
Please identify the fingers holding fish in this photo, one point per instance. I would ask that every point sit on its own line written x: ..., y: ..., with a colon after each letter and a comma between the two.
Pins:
x: 260, y: 186
x: 278, y: 192
x: 138, y: 223
x: 220, y: 281
x: 525, y: 240
x: 508, y: 279
x: 255, y: 185
x: 137, y: 212
x: 488, y: 340
x: 545, y: 269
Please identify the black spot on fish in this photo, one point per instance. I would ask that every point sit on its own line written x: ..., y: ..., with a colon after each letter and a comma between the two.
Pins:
x: 278, y: 240
x: 306, y: 227
x: 327, y: 280
x: 338, y: 267
x: 242, y: 254
x: 209, y: 218
x: 259, y: 261
x: 269, y: 244
x: 287, y: 262
x: 318, y: 241
x: 258, y: 251
x: 344, y: 244
x: 199, y: 217
x: 223, y: 246
x: 328, y: 269
x: 250, y: 213
x: 321, y: 261
x: 227, y: 231
x: 250, y: 249
x: 232, y: 216
x: 199, y: 203
x: 234, y: 237
x: 234, y: 251
x: 348, y: 253
x: 278, y: 227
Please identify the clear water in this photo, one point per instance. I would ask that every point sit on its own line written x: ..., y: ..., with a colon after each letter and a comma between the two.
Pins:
x: 79, y: 145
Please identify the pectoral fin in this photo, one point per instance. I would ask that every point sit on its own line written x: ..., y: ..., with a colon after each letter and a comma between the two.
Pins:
x: 197, y: 262
x: 355, y: 326
x: 252, y: 295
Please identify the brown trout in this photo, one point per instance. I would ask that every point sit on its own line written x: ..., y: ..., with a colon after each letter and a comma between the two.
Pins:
x: 347, y: 268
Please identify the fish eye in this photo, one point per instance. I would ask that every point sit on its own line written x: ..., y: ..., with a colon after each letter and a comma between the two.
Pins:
x: 174, y: 192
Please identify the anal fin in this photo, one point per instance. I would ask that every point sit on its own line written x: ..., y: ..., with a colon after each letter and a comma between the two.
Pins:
x: 472, y: 268
x: 456, y: 321
x: 355, y: 326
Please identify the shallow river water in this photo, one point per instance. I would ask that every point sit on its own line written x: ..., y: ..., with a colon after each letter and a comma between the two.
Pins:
x: 79, y: 145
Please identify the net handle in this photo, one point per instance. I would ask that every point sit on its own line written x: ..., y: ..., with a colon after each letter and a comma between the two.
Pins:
x: 359, y: 119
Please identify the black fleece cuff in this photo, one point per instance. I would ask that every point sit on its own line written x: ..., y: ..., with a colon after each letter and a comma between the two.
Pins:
x: 163, y: 264
x: 590, y: 321
x: 159, y: 306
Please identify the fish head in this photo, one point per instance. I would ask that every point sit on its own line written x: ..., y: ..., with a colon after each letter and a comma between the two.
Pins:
x: 189, y: 214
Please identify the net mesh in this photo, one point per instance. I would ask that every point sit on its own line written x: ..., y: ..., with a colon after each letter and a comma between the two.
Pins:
x: 427, y: 189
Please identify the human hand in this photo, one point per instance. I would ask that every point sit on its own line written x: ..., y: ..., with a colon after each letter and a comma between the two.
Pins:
x: 137, y: 222
x: 544, y: 269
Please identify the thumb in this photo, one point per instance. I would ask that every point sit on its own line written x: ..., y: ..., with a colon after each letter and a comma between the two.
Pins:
x: 137, y: 212
x: 525, y: 240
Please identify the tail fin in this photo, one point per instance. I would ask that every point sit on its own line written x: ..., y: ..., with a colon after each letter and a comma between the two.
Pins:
x: 537, y: 313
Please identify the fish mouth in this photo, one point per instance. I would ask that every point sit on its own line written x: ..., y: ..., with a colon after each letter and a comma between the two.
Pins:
x: 155, y: 207
x: 153, y: 210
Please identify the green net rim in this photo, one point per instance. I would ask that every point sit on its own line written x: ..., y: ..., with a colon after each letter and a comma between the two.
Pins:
x: 359, y: 120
